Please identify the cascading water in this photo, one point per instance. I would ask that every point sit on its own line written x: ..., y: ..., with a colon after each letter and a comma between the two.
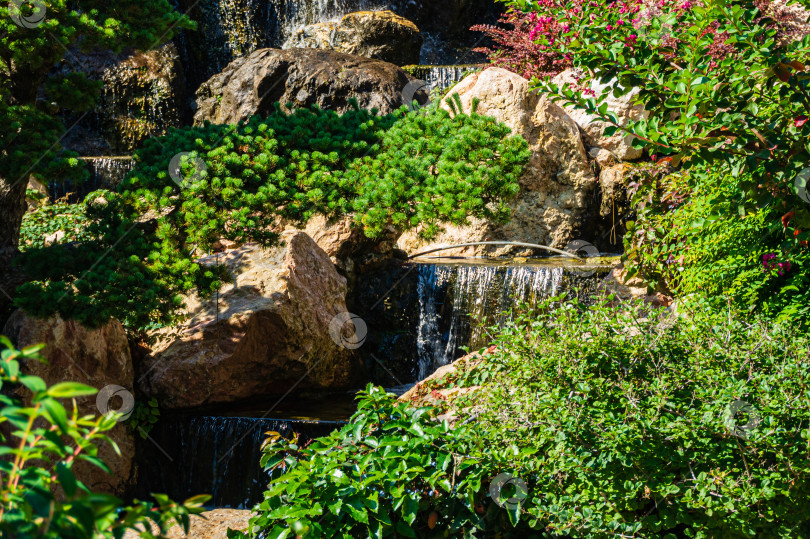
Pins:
x: 458, y: 302
x: 105, y: 173
x: 229, y: 29
x: 219, y: 456
x: 422, y: 315
x: 440, y: 77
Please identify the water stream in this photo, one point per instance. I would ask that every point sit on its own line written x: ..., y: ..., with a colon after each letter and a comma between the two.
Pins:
x: 431, y: 311
x: 217, y: 455
x: 423, y: 315
x: 457, y: 303
x: 105, y: 173
x: 440, y: 77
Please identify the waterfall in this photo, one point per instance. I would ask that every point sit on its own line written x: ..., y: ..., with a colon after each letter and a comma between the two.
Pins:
x: 105, y: 173
x: 219, y: 456
x: 440, y: 77
x: 295, y: 14
x: 229, y: 29
x: 458, y: 302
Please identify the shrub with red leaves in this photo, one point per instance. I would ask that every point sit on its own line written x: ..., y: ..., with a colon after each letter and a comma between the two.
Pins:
x: 517, y: 50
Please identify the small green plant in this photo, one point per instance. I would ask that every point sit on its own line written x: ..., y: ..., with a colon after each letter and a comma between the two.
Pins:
x: 144, y: 416
x: 39, y: 494
x: 48, y: 220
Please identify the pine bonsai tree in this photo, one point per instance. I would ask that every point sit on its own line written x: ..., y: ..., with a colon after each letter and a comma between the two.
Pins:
x: 403, y: 170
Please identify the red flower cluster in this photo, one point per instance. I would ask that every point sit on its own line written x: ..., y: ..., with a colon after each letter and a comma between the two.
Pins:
x: 769, y: 263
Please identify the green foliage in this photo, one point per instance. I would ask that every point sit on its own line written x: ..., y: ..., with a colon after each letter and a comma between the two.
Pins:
x: 74, y: 91
x: 690, y: 235
x: 383, y: 474
x: 621, y: 423
x: 719, y: 80
x: 402, y: 170
x: 144, y: 416
x: 727, y: 91
x: 31, y: 134
x: 40, y: 496
x: 51, y: 218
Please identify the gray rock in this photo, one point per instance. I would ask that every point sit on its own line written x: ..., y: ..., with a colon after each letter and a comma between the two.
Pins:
x: 252, y: 84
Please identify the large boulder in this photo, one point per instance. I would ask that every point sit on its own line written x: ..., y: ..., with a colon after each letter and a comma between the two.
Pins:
x: 267, y: 332
x: 97, y: 357
x: 252, y: 84
x: 374, y: 34
x: 347, y: 244
x: 625, y: 108
x: 557, y: 185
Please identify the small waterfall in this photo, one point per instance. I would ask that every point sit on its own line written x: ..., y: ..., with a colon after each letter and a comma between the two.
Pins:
x: 440, y: 77
x: 214, y: 455
x: 295, y: 14
x: 458, y: 302
x: 105, y: 173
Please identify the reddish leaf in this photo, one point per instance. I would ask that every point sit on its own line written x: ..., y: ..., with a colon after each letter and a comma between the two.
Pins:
x: 782, y: 71
x: 787, y: 217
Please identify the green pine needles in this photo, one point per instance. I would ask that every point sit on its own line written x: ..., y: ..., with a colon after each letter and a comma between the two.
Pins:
x: 238, y: 182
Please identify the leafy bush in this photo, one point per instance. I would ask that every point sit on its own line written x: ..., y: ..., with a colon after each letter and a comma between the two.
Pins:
x: 401, y: 170
x: 517, y: 49
x: 40, y: 495
x: 384, y: 474
x: 620, y: 424
x: 726, y: 88
x: 689, y: 235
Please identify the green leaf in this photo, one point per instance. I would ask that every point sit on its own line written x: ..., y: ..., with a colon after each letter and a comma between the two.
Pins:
x: 55, y: 413
x: 70, y: 389
x: 66, y: 479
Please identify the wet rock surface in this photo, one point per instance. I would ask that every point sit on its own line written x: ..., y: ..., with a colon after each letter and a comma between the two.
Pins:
x: 143, y: 95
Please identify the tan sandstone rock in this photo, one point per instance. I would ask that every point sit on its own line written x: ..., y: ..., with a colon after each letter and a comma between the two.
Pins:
x: 96, y: 357
x: 625, y: 108
x: 382, y: 35
x: 557, y: 184
x: 213, y: 524
x: 633, y: 288
x: 264, y: 334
